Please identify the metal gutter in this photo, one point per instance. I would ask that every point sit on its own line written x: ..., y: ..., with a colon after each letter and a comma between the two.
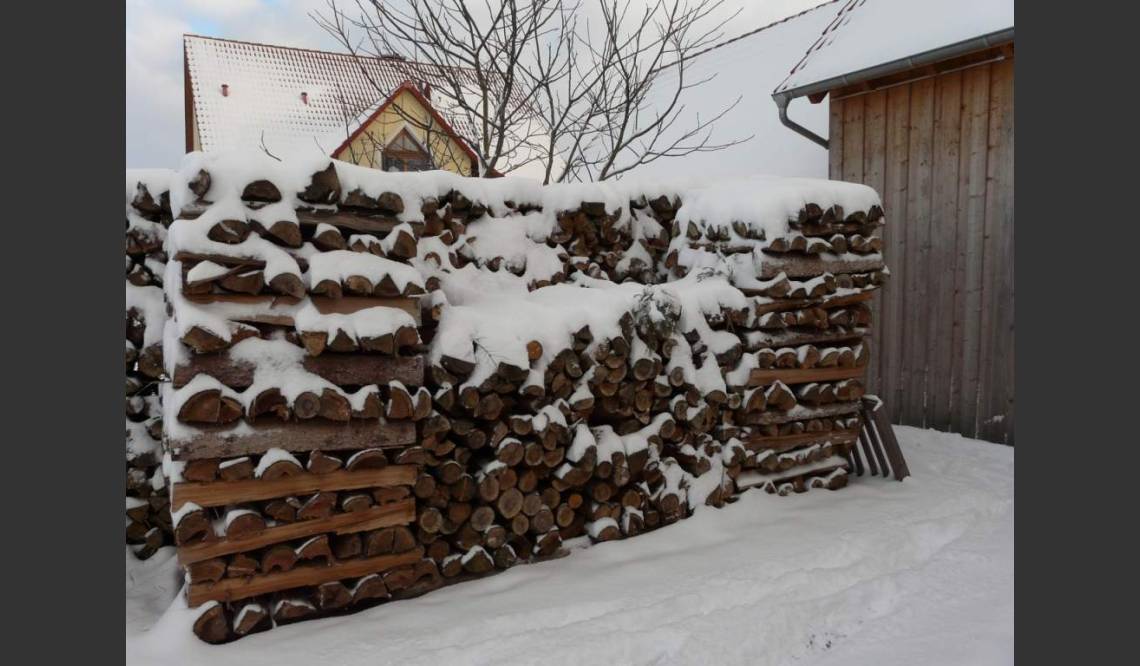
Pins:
x: 782, y: 105
x: 783, y: 97
x: 910, y: 62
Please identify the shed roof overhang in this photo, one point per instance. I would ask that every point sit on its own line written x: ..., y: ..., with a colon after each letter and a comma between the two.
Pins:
x: 815, y: 92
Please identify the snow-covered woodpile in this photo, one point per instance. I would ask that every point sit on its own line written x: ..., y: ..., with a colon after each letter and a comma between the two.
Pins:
x: 148, y: 216
x: 382, y: 382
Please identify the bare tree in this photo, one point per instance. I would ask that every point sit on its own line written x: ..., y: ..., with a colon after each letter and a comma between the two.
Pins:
x: 529, y: 81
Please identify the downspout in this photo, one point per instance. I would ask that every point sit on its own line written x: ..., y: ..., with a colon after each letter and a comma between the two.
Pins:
x: 782, y: 101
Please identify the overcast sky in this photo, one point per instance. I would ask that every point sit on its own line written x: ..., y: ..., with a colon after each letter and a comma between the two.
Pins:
x: 155, y: 124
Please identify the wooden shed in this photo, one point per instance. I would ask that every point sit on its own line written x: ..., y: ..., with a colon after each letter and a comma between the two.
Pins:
x: 921, y: 108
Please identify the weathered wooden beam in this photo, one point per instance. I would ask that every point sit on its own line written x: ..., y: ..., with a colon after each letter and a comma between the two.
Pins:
x: 785, y: 442
x: 821, y: 468
x: 221, y: 493
x: 323, y: 304
x: 801, y: 267
x: 232, y: 589
x: 402, y: 512
x: 754, y: 340
x: 310, y: 435
x: 764, y: 376
x: 380, y: 224
x: 825, y: 303
x: 233, y: 261
x: 874, y: 416
x: 346, y: 370
x: 799, y: 413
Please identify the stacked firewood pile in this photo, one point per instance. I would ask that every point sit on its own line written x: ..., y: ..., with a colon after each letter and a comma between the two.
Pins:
x: 296, y: 390
x: 806, y: 349
x: 381, y: 383
x: 147, y: 503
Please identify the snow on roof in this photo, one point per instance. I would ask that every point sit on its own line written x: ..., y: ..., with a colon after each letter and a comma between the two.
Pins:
x: 749, y: 67
x: 263, y: 93
x: 866, y: 33
x: 262, y: 98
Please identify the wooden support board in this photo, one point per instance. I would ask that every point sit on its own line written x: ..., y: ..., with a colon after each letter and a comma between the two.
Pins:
x: 826, y: 303
x: 754, y: 340
x: 232, y: 589
x: 246, y: 263
x: 799, y: 413
x: 765, y: 376
x: 340, y: 369
x: 221, y: 493
x: 809, y: 267
x: 821, y: 468
x: 785, y: 442
x: 402, y: 512
x: 286, y: 305
x: 379, y: 224
x: 313, y: 435
x: 880, y: 432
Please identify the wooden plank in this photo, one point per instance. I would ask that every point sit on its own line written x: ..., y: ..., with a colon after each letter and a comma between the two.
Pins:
x: 221, y: 493
x: 823, y: 303
x: 971, y: 230
x: 232, y: 589
x: 942, y: 267
x: 853, y: 139
x: 874, y: 164
x: 299, y: 436
x: 373, y: 518
x: 918, y: 221
x: 764, y: 376
x: 754, y: 479
x: 995, y: 410
x: 379, y: 225
x: 278, y: 310
x: 800, y: 413
x: 835, y: 139
x: 869, y: 454
x: 340, y: 369
x: 875, y: 417
x: 235, y: 261
x: 754, y: 340
x: 802, y: 266
x: 894, y: 323
x: 785, y: 442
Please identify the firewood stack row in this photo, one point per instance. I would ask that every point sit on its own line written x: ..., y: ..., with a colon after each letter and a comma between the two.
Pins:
x: 806, y: 346
x: 381, y: 383
x: 737, y: 375
x: 296, y: 386
x: 147, y: 503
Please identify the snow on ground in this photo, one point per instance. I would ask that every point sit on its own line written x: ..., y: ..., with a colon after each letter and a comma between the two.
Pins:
x: 877, y: 573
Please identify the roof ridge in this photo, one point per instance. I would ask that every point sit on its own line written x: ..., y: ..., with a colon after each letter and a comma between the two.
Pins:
x: 763, y: 28
x: 396, y: 58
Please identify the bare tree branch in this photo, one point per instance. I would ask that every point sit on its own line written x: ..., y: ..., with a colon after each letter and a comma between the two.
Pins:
x: 526, y: 81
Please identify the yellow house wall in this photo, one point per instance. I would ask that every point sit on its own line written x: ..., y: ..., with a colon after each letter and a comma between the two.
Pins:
x: 406, y: 112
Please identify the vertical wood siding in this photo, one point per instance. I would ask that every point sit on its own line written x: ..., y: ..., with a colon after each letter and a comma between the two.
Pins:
x: 940, y: 152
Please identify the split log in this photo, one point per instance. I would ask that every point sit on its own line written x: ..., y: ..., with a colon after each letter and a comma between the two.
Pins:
x: 211, y: 625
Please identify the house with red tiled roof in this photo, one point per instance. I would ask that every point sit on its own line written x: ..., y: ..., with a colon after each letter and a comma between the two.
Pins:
x: 376, y: 112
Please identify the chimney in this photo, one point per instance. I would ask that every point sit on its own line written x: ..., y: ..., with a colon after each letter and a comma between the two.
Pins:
x: 427, y: 90
x: 225, y: 90
x: 305, y: 98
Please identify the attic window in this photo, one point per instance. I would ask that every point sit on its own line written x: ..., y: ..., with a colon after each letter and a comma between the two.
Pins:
x: 225, y: 90
x: 404, y: 153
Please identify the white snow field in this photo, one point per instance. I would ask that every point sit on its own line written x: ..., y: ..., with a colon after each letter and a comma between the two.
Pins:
x: 877, y: 573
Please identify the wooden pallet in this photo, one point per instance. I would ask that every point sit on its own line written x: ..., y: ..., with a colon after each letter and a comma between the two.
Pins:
x: 881, y: 455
